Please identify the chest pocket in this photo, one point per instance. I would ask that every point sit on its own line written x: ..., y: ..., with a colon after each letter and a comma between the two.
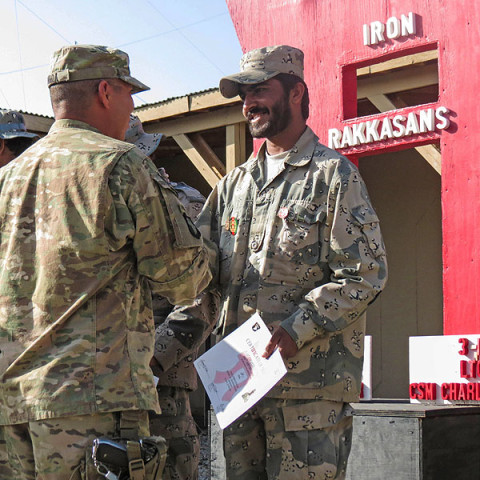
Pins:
x: 299, y: 233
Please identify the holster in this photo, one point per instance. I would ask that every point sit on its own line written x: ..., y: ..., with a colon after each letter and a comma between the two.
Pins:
x: 153, y: 468
x: 134, y: 458
x: 140, y: 469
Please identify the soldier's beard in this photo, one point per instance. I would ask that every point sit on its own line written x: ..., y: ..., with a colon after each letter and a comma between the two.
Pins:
x: 279, y: 119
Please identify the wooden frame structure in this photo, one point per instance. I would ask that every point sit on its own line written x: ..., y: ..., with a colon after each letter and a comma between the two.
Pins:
x: 406, y: 74
x: 38, y: 124
x: 185, y: 119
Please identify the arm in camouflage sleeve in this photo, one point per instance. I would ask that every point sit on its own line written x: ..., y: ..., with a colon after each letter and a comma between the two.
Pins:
x: 356, y: 258
x: 186, y: 328
x: 169, y: 249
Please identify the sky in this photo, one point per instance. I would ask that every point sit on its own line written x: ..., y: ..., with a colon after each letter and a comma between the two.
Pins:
x: 176, y: 47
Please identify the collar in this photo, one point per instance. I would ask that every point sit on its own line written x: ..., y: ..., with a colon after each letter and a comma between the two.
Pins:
x: 300, y: 154
x: 67, y: 123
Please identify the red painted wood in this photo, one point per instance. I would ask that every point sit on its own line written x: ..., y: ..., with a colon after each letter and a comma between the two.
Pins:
x: 330, y: 34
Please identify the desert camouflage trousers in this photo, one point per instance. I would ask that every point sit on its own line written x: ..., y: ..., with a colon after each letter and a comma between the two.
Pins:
x: 56, y: 449
x: 178, y: 427
x: 287, y: 439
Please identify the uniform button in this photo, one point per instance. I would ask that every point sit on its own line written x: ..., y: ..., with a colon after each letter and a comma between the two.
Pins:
x: 254, y: 245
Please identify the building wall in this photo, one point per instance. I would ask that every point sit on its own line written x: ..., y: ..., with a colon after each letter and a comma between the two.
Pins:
x: 330, y: 34
x: 405, y: 191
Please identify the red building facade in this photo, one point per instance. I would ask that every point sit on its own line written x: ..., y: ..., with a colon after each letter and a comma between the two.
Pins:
x: 392, y: 83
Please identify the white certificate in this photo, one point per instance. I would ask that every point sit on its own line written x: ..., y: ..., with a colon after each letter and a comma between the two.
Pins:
x: 234, y: 373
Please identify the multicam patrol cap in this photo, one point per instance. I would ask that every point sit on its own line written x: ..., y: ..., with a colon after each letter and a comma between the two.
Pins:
x: 90, y: 62
x: 146, y: 142
x: 12, y: 125
x: 260, y: 65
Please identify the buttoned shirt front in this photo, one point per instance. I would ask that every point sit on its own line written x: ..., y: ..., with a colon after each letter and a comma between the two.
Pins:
x: 303, y: 250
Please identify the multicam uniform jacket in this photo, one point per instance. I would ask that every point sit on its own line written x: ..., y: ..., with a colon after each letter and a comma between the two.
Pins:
x: 88, y: 231
x: 304, y: 251
x: 182, y: 374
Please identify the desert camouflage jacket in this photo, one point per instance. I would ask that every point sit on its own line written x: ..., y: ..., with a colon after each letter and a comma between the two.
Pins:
x: 88, y: 231
x: 304, y: 251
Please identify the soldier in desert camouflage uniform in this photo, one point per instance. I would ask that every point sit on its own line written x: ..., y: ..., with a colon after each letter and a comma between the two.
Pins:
x: 176, y: 422
x: 89, y: 230
x: 14, y: 138
x: 299, y: 244
x: 175, y: 385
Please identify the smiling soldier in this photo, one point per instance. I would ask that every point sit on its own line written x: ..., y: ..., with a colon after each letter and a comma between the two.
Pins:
x: 299, y: 244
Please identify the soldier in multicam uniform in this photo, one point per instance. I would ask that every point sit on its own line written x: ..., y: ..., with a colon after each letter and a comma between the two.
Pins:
x: 14, y: 138
x: 300, y: 244
x: 89, y: 230
x: 176, y: 422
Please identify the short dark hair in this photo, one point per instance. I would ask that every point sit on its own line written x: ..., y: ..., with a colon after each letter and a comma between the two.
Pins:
x: 288, y: 81
x: 18, y: 145
x: 77, y: 95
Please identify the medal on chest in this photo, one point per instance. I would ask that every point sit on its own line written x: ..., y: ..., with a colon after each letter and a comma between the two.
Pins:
x: 232, y: 225
x: 283, y: 213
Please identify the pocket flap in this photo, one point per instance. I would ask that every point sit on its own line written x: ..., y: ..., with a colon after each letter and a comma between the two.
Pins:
x: 312, y: 415
x: 305, y: 214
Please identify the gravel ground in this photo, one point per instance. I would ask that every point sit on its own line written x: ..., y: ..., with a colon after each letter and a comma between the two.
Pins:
x: 204, y: 465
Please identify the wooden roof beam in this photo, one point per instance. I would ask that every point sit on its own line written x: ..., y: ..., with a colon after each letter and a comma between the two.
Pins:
x: 208, y: 154
x: 180, y: 106
x: 203, y: 158
x: 198, y: 122
x: 400, y: 62
x: 397, y: 81
x: 428, y: 152
x: 36, y: 123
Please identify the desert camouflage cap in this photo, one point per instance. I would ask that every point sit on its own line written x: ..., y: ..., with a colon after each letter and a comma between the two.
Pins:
x: 260, y: 65
x: 146, y: 142
x: 90, y: 62
x: 12, y: 125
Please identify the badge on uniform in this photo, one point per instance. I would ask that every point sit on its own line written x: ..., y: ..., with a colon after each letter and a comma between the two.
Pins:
x: 232, y: 225
x: 283, y: 213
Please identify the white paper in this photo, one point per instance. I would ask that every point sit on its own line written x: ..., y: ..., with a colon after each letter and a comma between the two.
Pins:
x: 234, y: 373
x: 366, y: 393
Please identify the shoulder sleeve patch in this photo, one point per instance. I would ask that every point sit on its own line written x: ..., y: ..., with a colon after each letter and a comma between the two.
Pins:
x: 191, y: 226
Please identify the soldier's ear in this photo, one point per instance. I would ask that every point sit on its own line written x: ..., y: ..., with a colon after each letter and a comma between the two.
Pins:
x: 104, y: 93
x: 296, y: 93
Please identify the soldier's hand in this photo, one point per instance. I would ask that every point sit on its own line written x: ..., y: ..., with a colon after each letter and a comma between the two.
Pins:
x: 285, y: 343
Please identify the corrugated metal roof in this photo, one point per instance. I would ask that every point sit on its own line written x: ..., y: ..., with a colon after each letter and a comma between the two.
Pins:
x: 23, y: 112
x: 170, y: 99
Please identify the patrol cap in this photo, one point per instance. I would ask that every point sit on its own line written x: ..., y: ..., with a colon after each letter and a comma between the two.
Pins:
x: 90, y: 62
x: 12, y: 125
x: 260, y: 65
x: 146, y: 142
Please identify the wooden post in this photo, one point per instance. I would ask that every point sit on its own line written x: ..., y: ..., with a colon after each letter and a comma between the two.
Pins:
x: 235, y: 145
